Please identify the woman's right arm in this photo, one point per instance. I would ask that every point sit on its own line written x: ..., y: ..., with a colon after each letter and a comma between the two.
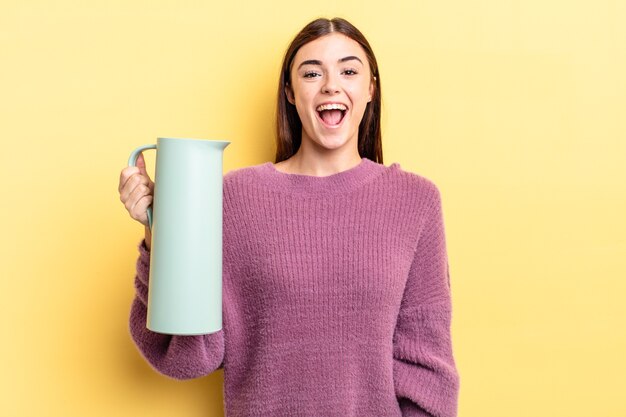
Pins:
x: 180, y: 357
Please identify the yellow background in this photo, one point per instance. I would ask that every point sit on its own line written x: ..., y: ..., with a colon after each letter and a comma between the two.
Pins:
x: 516, y: 109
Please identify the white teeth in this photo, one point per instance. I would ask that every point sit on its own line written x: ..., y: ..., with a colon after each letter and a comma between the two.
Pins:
x: 334, y: 106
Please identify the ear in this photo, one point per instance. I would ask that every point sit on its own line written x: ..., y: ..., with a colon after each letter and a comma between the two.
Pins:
x: 372, y: 89
x: 289, y: 94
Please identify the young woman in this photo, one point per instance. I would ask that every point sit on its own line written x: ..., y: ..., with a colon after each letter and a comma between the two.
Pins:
x: 336, y: 286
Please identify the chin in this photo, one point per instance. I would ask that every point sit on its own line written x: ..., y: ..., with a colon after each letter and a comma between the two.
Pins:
x: 331, y: 141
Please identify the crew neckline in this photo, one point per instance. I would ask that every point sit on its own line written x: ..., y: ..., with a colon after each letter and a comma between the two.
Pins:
x: 342, y: 181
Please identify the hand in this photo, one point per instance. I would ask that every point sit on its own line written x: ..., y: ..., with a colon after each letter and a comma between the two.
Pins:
x: 136, y: 190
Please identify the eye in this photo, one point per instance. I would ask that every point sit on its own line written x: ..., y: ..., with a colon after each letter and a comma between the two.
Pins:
x: 350, y: 72
x: 310, y: 74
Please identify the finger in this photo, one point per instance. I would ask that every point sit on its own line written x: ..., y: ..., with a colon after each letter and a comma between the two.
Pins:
x: 125, y: 175
x: 138, y: 210
x: 140, y: 191
x: 135, y: 181
x: 141, y: 209
x: 141, y: 164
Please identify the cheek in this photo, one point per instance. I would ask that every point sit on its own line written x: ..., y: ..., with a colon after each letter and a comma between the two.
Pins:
x: 304, y: 103
x: 304, y: 95
x: 359, y: 97
x: 360, y: 92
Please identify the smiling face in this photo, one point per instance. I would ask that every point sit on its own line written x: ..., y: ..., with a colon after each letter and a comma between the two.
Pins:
x: 330, y: 86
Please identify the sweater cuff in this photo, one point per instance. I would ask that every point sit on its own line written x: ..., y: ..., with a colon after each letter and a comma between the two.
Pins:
x: 143, y: 249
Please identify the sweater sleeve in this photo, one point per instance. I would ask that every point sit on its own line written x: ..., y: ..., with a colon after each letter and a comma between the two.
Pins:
x: 179, y: 357
x: 426, y: 380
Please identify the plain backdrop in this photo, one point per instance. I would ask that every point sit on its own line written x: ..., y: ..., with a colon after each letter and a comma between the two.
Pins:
x: 515, y: 109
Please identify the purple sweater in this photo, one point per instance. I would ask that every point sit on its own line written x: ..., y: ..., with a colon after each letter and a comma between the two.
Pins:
x: 336, y: 298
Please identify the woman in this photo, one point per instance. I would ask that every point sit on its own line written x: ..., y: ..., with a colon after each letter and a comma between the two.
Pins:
x: 336, y: 288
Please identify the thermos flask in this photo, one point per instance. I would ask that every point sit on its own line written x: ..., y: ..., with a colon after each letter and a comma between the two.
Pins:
x: 185, y: 283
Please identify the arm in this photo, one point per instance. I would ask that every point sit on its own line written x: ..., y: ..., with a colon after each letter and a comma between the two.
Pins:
x: 148, y: 239
x: 425, y: 375
x: 179, y: 357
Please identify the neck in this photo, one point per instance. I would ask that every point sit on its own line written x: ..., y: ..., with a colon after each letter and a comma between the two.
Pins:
x: 319, y: 161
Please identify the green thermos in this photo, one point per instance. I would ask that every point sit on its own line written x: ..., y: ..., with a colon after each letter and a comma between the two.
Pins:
x: 185, y: 283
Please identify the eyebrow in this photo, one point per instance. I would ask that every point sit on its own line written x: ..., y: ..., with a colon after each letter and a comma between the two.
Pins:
x: 318, y: 62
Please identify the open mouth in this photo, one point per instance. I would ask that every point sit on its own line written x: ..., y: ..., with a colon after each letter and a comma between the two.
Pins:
x: 331, y: 114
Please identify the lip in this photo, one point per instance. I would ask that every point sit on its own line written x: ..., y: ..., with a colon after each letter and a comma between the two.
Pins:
x: 332, y: 102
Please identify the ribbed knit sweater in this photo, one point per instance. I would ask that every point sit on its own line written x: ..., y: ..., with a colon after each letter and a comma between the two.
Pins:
x: 336, y: 298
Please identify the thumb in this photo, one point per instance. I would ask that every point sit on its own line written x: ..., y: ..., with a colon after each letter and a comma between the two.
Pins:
x: 141, y: 164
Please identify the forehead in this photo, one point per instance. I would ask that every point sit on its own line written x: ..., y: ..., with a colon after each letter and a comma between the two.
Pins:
x: 331, y: 48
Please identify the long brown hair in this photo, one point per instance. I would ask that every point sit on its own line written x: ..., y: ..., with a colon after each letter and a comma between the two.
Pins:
x: 288, y: 124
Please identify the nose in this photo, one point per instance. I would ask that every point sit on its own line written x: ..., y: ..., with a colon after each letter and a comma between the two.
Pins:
x: 330, y: 85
